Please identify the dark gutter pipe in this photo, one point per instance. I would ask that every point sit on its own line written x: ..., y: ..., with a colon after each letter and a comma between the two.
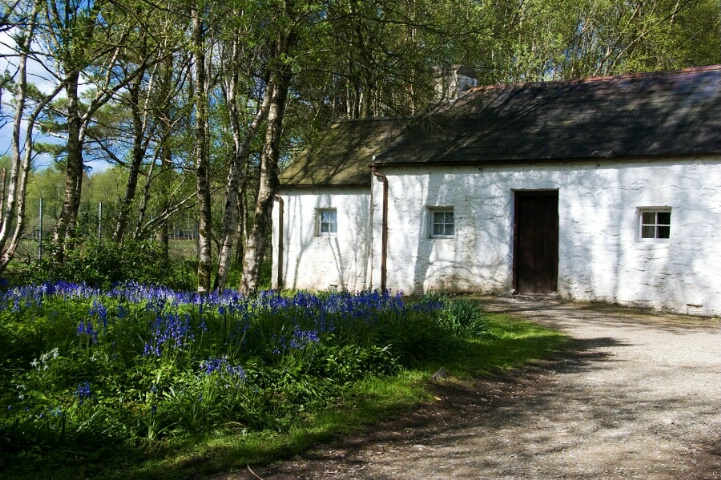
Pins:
x: 384, y: 227
x: 281, y: 222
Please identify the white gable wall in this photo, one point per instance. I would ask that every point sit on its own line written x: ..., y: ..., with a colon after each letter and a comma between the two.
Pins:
x: 600, y: 255
x: 315, y: 262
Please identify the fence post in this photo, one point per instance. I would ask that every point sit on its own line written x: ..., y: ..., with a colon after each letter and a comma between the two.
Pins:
x: 40, y: 230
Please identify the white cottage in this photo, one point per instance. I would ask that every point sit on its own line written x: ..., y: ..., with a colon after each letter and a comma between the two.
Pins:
x: 603, y: 189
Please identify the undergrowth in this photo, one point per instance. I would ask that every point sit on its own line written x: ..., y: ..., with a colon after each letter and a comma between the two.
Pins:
x: 147, y: 381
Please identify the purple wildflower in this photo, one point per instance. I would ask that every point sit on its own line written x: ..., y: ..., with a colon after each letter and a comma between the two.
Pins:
x: 169, y: 330
x: 83, y: 391
x: 221, y: 366
x: 302, y: 338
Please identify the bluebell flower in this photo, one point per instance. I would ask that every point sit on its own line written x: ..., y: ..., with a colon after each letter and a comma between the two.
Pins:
x: 221, y: 366
x: 170, y: 330
x: 150, y: 349
x: 86, y: 328
x: 83, y: 392
x: 302, y: 338
x: 101, y: 312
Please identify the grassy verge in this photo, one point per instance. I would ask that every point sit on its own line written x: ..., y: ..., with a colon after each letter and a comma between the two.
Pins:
x: 491, y: 343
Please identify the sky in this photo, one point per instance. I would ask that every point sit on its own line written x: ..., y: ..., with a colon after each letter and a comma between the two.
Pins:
x: 39, y: 75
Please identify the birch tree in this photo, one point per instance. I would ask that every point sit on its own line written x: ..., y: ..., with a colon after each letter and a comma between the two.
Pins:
x: 284, y: 41
x: 240, y: 59
x: 86, y: 41
x: 24, y: 18
x: 201, y: 154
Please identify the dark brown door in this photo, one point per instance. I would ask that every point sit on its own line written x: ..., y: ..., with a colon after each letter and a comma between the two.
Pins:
x: 536, y: 242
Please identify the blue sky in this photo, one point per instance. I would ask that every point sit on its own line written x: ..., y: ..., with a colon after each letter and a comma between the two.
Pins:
x: 40, y: 76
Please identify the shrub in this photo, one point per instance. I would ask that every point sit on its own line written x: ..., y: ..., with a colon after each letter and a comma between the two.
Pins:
x: 463, y: 318
x: 459, y: 316
x: 102, y: 263
x: 136, y: 363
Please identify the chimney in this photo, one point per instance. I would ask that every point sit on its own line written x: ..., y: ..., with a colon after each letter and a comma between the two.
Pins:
x: 452, y: 80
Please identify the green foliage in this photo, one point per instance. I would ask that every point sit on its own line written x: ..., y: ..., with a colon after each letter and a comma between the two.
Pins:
x: 140, y: 364
x: 140, y: 367
x: 462, y: 317
x: 102, y: 263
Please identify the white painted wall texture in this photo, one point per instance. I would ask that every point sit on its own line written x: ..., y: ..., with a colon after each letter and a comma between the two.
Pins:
x: 315, y: 262
x: 600, y: 254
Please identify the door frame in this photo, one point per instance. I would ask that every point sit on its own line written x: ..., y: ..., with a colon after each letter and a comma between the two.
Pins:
x: 514, y: 218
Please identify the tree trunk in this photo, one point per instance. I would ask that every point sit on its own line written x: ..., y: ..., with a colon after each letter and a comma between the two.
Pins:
x: 166, y: 157
x: 233, y: 187
x: 161, y: 234
x: 14, y: 190
x: 136, y: 161
x: 202, y: 164
x: 13, y: 211
x: 65, y: 226
x: 268, y: 182
x: 241, y: 230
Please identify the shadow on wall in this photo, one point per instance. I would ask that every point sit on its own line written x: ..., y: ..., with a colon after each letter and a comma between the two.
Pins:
x: 478, y: 257
x: 685, y: 268
x: 605, y: 259
x: 599, y: 252
x: 322, y: 262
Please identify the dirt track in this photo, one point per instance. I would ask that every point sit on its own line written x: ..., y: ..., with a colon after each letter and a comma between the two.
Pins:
x: 640, y: 398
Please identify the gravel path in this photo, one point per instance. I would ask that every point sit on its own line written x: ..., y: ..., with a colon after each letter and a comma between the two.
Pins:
x: 640, y: 398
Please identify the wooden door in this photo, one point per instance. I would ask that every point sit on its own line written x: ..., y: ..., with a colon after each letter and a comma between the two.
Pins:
x: 536, y: 242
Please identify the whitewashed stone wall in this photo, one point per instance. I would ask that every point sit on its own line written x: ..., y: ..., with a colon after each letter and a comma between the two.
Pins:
x: 314, y: 262
x: 600, y: 254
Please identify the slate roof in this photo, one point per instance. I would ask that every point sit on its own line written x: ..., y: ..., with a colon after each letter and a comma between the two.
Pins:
x: 643, y: 115
x: 660, y: 114
x: 343, y: 155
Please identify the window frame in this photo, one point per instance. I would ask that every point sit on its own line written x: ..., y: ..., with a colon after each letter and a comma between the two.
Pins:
x: 432, y: 221
x: 656, y: 225
x: 319, y: 222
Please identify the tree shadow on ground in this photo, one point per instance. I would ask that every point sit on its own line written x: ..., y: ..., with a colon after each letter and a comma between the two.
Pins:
x: 555, y: 312
x: 495, y: 399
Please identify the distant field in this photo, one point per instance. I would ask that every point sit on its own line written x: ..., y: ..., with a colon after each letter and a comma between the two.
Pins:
x: 183, y: 248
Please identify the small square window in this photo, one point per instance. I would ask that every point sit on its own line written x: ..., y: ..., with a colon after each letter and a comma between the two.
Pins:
x: 442, y: 222
x: 327, y: 223
x: 655, y: 224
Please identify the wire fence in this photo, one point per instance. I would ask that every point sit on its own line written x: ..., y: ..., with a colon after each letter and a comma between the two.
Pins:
x: 39, y: 226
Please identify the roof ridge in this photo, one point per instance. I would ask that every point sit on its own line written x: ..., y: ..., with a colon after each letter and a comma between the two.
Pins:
x: 367, y: 119
x: 656, y: 73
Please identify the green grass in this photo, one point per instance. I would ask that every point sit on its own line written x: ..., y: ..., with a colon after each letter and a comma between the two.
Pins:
x: 509, y: 343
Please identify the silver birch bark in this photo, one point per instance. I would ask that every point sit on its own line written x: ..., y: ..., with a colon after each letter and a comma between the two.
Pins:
x: 280, y: 79
x: 65, y: 226
x: 241, y: 151
x: 13, y: 211
x: 202, y: 164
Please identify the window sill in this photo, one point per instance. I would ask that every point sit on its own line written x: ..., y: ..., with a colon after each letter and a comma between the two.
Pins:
x: 651, y: 242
